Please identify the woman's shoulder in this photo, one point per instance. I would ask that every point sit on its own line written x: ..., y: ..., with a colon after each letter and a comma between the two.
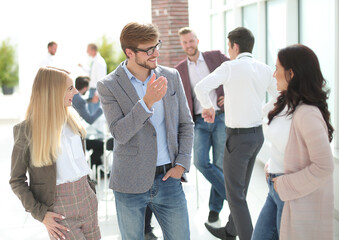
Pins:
x: 308, y: 116
x: 306, y: 110
x: 21, y: 130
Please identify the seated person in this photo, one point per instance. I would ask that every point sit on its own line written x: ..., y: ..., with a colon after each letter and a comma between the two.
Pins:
x: 81, y: 105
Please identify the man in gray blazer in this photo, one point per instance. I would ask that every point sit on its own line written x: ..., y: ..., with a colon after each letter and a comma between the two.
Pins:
x: 148, y: 115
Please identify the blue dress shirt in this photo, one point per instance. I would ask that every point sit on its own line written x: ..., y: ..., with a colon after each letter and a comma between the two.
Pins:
x: 157, y: 119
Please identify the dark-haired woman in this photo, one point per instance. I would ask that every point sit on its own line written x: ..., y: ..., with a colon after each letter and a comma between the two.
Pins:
x: 306, y: 187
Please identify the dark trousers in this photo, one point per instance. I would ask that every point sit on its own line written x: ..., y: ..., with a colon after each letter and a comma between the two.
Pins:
x: 98, y: 149
x: 241, y: 149
x: 148, y: 216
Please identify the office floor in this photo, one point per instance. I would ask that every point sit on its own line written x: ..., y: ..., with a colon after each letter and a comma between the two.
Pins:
x: 16, y: 224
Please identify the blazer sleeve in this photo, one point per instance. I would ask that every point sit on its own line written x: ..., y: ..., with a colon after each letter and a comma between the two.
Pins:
x: 122, y: 127
x: 18, y: 178
x: 312, y: 129
x: 186, y: 128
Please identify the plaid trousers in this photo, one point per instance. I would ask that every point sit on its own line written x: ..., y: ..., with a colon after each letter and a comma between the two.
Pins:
x: 77, y: 202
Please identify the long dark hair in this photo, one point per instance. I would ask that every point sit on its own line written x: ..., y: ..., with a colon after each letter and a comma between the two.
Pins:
x: 306, y: 86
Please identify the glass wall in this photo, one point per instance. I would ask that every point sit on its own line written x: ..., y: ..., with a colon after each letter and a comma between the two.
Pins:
x: 275, y: 29
x: 217, y: 33
x: 229, y: 26
x: 249, y: 20
x: 318, y: 34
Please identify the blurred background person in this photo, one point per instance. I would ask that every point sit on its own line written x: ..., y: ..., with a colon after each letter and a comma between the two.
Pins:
x: 306, y: 188
x: 81, y: 105
x: 193, y: 69
x: 96, y: 71
x: 49, y: 59
x: 48, y: 145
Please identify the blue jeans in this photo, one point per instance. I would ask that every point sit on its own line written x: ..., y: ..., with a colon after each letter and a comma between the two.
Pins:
x: 168, y: 203
x: 92, y: 107
x: 268, y: 224
x: 207, y: 135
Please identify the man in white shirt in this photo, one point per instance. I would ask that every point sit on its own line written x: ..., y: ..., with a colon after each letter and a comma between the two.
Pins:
x: 245, y: 81
x: 97, y: 71
x: 49, y: 59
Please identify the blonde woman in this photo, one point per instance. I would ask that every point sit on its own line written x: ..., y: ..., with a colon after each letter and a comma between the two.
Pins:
x: 48, y: 145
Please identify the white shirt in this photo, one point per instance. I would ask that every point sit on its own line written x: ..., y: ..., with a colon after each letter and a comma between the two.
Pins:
x: 277, y: 133
x: 245, y: 81
x: 48, y: 61
x: 71, y: 164
x: 97, y: 70
x: 197, y: 71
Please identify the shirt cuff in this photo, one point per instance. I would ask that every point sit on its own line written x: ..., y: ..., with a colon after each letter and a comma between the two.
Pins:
x: 143, y: 104
x: 182, y: 166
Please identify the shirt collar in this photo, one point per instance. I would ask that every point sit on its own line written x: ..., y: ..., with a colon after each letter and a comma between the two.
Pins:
x: 244, y: 54
x: 97, y: 56
x: 200, y: 58
x: 131, y: 76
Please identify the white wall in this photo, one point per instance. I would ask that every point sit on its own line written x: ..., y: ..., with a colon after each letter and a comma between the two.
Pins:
x: 72, y: 24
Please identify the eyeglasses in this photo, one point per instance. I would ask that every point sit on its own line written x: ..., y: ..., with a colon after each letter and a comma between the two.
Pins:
x: 150, y: 50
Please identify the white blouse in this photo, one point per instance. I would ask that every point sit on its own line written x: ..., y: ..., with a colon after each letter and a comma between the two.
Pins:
x: 277, y: 133
x: 71, y: 164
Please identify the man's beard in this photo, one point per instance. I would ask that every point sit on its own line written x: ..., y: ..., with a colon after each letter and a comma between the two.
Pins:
x: 144, y: 64
x: 191, y: 55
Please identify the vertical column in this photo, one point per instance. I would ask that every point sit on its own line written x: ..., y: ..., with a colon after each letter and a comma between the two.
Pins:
x: 261, y: 35
x: 336, y: 78
x: 170, y: 16
x: 292, y: 22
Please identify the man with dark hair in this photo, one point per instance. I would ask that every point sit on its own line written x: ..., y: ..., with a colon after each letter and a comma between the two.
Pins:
x: 49, y: 59
x: 96, y: 72
x: 79, y: 104
x: 147, y: 113
x: 245, y: 81
x: 193, y: 69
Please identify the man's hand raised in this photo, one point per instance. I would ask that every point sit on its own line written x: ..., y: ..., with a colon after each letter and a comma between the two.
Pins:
x: 156, y: 90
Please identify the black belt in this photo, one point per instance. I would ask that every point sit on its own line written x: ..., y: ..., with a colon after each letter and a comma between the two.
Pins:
x: 163, y: 168
x: 234, y: 131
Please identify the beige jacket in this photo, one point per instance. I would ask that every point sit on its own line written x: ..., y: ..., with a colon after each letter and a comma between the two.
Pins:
x: 307, y: 186
x: 37, y: 195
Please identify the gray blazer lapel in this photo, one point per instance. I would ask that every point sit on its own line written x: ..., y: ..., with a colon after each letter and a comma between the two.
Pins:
x: 126, y: 84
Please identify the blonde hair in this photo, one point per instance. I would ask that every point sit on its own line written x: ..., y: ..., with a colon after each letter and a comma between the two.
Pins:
x: 46, y: 115
x: 186, y: 30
